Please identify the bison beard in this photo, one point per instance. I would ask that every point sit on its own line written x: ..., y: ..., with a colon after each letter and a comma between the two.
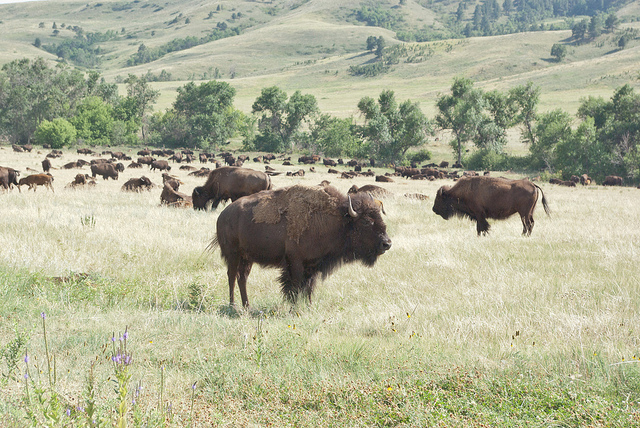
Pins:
x: 304, y: 231
x: 482, y: 197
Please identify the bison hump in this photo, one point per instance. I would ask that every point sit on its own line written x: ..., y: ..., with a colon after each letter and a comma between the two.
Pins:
x: 297, y: 204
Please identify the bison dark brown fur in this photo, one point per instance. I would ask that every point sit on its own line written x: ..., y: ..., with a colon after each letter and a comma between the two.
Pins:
x: 304, y: 231
x: 229, y: 182
x: 482, y: 197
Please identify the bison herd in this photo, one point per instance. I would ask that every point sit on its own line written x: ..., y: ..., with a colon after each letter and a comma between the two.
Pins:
x: 304, y: 231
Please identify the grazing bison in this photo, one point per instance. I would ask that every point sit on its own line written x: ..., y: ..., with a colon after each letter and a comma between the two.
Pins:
x: 105, y: 169
x: 304, y: 231
x: 613, y: 180
x: 35, y: 180
x: 160, y: 165
x: 480, y: 198
x: 9, y: 178
x: 229, y: 182
x: 137, y: 184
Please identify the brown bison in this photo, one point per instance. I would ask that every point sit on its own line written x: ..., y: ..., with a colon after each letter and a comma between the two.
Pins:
x: 171, y: 196
x: 46, y: 165
x: 613, y: 180
x: 105, y: 169
x: 372, y: 189
x: 35, y: 180
x: 160, y: 165
x: 304, y: 231
x: 481, y: 197
x: 585, y: 180
x: 229, y: 182
x: 81, y: 180
x: 9, y: 178
x: 137, y: 184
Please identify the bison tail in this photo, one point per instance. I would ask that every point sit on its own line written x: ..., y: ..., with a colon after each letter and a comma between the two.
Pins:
x: 544, y: 201
x: 213, y: 244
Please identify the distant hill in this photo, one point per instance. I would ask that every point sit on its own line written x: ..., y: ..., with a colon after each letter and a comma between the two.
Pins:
x: 315, y: 45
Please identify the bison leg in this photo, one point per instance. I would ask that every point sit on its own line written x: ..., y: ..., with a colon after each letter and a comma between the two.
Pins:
x: 244, y: 269
x: 482, y: 226
x: 527, y: 224
x: 309, y: 285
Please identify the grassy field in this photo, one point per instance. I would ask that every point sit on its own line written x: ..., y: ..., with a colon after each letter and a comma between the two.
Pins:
x: 448, y: 329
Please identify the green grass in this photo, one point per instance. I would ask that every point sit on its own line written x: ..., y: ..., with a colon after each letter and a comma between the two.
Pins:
x: 447, y: 329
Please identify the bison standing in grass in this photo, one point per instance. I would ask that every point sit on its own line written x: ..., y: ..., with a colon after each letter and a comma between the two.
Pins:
x: 9, y: 178
x: 105, y: 169
x: 483, y: 197
x: 304, y: 231
x: 35, y: 180
x: 229, y: 182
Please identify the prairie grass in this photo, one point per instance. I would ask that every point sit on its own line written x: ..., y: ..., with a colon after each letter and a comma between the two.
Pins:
x: 448, y: 329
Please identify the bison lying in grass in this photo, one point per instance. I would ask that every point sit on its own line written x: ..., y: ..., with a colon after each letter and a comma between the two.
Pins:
x: 304, y: 231
x: 482, y: 197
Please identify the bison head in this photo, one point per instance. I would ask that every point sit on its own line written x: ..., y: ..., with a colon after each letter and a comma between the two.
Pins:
x: 443, y: 204
x: 200, y: 198
x: 368, y: 231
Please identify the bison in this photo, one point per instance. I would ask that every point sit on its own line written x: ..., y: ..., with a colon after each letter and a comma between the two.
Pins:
x: 305, y: 231
x: 229, y: 182
x: 160, y: 165
x: 46, y: 165
x: 170, y: 195
x: 105, y: 169
x: 137, y: 184
x: 81, y: 180
x: 372, y: 189
x: 483, y: 197
x: 35, y: 180
x: 9, y: 178
x: 613, y: 180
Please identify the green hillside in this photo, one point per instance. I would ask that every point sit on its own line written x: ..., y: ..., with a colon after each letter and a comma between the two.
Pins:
x: 311, y: 45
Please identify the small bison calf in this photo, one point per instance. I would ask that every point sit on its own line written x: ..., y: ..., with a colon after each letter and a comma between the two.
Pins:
x: 35, y: 180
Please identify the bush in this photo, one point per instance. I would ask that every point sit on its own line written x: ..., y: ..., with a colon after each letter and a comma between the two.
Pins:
x: 58, y: 133
x: 420, y: 156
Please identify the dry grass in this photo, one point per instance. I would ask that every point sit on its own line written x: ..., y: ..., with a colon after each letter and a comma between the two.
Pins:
x: 554, y: 313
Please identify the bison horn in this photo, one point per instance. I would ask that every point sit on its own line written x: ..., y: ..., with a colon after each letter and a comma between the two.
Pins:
x: 379, y: 202
x: 352, y: 212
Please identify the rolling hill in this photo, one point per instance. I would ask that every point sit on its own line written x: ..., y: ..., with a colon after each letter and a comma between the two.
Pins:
x: 310, y: 46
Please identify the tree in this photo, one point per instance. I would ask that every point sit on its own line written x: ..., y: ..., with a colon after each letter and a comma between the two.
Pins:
x: 140, y: 98
x: 526, y: 98
x: 552, y: 128
x: 595, y: 26
x: 281, y: 119
x: 333, y: 136
x: 558, y: 51
x: 461, y: 112
x: 579, y: 29
x: 207, y: 113
x: 390, y: 130
x: 94, y: 121
x: 581, y: 152
x: 372, y: 43
x: 611, y: 22
x: 58, y: 133
x: 380, y: 45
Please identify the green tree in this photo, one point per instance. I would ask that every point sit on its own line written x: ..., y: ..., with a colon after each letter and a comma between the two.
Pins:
x: 462, y: 113
x: 141, y: 97
x: 581, y: 152
x: 333, y: 136
x: 551, y: 129
x: 372, y: 42
x: 526, y: 98
x: 94, y: 121
x: 380, y: 45
x: 58, y: 133
x: 611, y: 22
x: 579, y: 29
x: 558, y: 51
x: 281, y: 120
x: 207, y: 112
x: 390, y: 130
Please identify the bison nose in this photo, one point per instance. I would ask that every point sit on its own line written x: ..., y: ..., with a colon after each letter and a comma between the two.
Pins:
x: 385, y: 244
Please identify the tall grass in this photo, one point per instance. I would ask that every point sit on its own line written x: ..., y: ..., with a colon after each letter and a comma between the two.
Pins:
x: 447, y: 328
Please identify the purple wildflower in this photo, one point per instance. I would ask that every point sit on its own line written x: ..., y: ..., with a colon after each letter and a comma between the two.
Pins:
x: 43, y: 315
x: 26, y: 358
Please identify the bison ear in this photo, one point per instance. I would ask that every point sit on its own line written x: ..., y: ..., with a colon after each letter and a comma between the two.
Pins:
x: 197, y: 191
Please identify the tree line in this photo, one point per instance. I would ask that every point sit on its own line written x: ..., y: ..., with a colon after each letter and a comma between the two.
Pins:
x: 61, y: 107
